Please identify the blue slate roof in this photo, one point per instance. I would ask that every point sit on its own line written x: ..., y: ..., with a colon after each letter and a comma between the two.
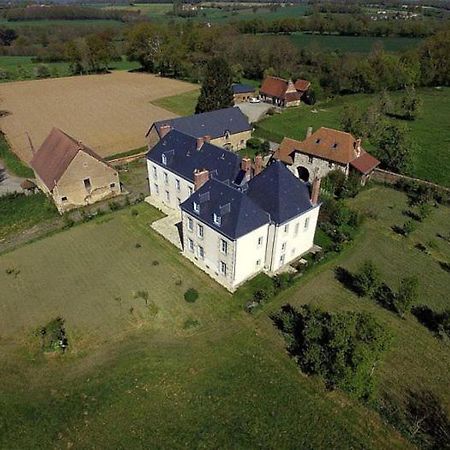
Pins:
x: 238, y: 214
x: 214, y: 123
x: 242, y: 88
x: 182, y: 157
x: 280, y: 193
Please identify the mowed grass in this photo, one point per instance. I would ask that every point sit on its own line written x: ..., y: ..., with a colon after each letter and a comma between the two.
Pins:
x: 430, y: 130
x: 169, y: 375
x: 182, y: 104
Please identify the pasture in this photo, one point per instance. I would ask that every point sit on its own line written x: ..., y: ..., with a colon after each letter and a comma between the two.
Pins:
x: 431, y: 157
x: 110, y: 113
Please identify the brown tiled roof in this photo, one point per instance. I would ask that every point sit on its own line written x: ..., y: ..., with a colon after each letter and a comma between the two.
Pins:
x: 55, y: 154
x: 274, y: 87
x: 325, y: 143
x: 302, y: 85
x: 292, y: 96
x: 365, y: 163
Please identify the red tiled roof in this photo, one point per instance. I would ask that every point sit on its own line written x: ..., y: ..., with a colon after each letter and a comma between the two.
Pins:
x: 274, y: 87
x: 325, y: 143
x: 302, y: 85
x: 365, y: 163
x: 292, y: 96
x: 55, y: 154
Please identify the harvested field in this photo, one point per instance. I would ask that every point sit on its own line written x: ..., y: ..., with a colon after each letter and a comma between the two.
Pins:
x: 110, y: 113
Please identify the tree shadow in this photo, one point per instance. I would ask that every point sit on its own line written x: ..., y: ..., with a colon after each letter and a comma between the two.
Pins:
x: 346, y: 278
x: 427, y: 317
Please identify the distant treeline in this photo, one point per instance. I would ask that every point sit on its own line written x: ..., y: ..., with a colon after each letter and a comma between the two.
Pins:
x: 345, y: 25
x: 66, y: 13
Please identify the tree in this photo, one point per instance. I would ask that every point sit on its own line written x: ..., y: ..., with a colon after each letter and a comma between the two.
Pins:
x: 216, y: 92
x: 410, y: 104
x: 98, y: 52
x: 7, y: 36
x: 74, y: 57
x: 406, y: 295
x: 366, y: 279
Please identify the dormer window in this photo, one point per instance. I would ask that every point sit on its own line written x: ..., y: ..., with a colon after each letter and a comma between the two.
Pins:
x: 196, y: 207
x: 335, y: 145
x: 217, y: 219
x: 227, y: 135
x: 318, y: 141
x: 164, y: 159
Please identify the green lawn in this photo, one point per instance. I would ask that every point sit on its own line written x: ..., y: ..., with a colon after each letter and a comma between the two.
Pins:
x: 14, y: 165
x: 182, y: 104
x: 430, y: 131
x: 177, y: 375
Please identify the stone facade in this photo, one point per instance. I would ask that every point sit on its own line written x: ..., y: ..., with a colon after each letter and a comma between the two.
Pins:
x: 314, y: 166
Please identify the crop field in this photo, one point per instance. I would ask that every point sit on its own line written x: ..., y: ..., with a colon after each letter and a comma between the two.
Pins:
x: 110, y: 113
x: 431, y: 156
x: 177, y: 374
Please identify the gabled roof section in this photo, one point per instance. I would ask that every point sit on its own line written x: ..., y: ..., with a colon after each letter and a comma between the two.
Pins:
x: 302, y: 85
x: 214, y: 123
x: 325, y: 143
x: 226, y: 209
x: 55, y: 155
x: 178, y: 152
x: 280, y: 193
x: 365, y: 163
x: 242, y: 88
x: 279, y: 88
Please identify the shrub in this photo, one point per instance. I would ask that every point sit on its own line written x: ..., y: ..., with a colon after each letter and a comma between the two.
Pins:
x: 134, y: 212
x: 254, y: 143
x: 42, y: 71
x: 53, y: 336
x: 114, y: 206
x: 406, y: 295
x: 282, y: 281
x: 4, y: 74
x: 191, y: 295
x: 366, y: 279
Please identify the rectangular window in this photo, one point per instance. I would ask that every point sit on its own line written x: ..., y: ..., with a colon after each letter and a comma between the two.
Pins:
x: 64, y: 199
x: 112, y: 185
x: 178, y: 201
x: 223, y: 246
x: 283, y: 246
x: 330, y: 165
x: 258, y: 263
x: 286, y: 228
x: 306, y: 223
x: 281, y: 260
x: 168, y: 196
x: 190, y: 191
x: 201, y: 252
x: 178, y: 185
x: 166, y: 178
x: 310, y: 159
x: 260, y: 241
x: 190, y: 224
x: 297, y: 225
x: 164, y: 159
x: 217, y: 219
x: 196, y: 207
x: 223, y: 268
x: 156, y: 188
x: 155, y: 173
x: 87, y: 184
x: 200, y: 230
x: 191, y: 245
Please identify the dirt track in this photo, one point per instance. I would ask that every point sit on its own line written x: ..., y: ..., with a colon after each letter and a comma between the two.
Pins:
x: 110, y: 113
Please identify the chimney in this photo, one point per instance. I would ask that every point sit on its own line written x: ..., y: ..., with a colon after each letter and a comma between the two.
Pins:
x: 358, y: 147
x: 246, y: 164
x: 200, y: 141
x: 201, y: 176
x: 309, y: 132
x: 315, y: 191
x: 164, y: 129
x: 258, y: 164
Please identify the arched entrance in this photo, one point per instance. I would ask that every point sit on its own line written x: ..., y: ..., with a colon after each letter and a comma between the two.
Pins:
x: 303, y: 173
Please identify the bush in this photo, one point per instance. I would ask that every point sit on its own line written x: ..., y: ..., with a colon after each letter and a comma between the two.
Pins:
x: 53, y: 336
x: 366, y: 279
x: 41, y: 71
x: 191, y: 295
x: 254, y: 143
x: 5, y: 74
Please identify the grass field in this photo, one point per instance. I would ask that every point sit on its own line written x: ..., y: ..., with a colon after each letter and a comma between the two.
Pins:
x: 111, y: 113
x: 432, y: 156
x: 205, y: 374
x: 182, y: 104
x: 23, y: 68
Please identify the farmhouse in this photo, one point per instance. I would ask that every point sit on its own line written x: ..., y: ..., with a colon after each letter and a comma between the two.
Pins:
x: 237, y: 219
x: 242, y: 92
x: 326, y: 150
x: 72, y: 173
x: 281, y: 92
x: 227, y: 128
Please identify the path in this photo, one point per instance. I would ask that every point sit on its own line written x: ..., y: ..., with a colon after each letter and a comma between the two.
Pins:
x: 8, y: 182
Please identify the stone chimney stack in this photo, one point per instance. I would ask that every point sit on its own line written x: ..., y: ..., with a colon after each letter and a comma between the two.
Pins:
x: 315, y: 191
x: 200, y: 142
x: 246, y: 164
x: 309, y: 132
x: 201, y: 176
x: 164, y: 129
x: 358, y: 147
x: 258, y: 164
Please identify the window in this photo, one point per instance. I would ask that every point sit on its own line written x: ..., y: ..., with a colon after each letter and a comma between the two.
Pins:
x: 87, y: 184
x: 166, y: 178
x: 191, y: 245
x: 168, y: 196
x: 201, y: 252
x: 190, y: 191
x: 281, y: 260
x: 217, y: 219
x: 330, y: 164
x: 258, y: 263
x: 260, y: 241
x: 200, y: 231
x: 190, y: 224
x: 286, y: 228
x: 283, y: 246
x: 156, y: 188
x: 178, y: 201
x: 310, y: 159
x: 223, y: 268
x: 164, y: 159
x: 297, y: 225
x: 64, y: 199
x: 155, y: 173
x: 196, y: 207
x: 306, y: 223
x: 177, y: 184
x: 112, y: 185
x: 223, y: 246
